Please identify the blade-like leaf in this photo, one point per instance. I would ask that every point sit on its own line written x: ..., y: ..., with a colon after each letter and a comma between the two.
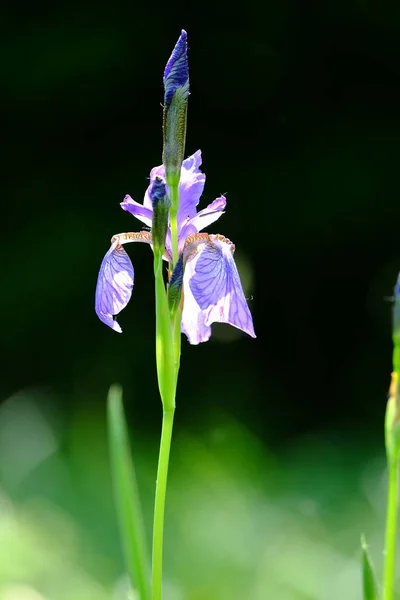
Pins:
x: 126, y: 496
x: 370, y: 585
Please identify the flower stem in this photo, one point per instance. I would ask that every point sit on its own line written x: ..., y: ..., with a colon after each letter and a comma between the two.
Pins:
x: 176, y: 336
x: 168, y: 339
x: 174, y: 198
x: 391, y: 528
x: 176, y: 326
x: 159, y: 508
x: 166, y: 371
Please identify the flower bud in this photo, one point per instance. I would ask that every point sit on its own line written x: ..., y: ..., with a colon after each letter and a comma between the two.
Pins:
x: 161, y: 205
x: 176, y: 86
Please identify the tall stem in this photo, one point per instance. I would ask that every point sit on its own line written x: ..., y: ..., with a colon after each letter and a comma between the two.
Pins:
x: 159, y: 509
x: 391, y: 529
x: 168, y: 358
x: 176, y: 326
x: 166, y: 370
x: 174, y: 198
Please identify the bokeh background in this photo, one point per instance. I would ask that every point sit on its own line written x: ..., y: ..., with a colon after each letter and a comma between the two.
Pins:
x: 277, y: 464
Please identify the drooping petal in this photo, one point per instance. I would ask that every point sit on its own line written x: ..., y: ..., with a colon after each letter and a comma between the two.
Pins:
x: 115, y: 280
x: 212, y: 289
x: 114, y: 285
x: 144, y: 214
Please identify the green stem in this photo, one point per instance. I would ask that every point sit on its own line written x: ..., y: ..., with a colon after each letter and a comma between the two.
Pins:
x: 174, y: 198
x: 176, y: 326
x: 168, y: 338
x: 176, y: 336
x: 391, y: 528
x: 164, y: 341
x: 159, y: 508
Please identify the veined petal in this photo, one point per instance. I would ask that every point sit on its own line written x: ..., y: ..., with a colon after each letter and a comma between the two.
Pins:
x: 114, y: 285
x: 208, y: 215
x: 139, y: 211
x: 115, y: 279
x: 212, y: 288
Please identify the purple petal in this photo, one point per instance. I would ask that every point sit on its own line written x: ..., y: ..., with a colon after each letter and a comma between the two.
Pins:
x: 187, y: 229
x: 209, y: 215
x: 155, y: 172
x: 138, y: 210
x: 191, y: 187
x: 212, y: 290
x: 157, y: 192
x: 114, y: 285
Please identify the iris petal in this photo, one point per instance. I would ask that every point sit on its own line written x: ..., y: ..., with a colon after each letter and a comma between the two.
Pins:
x: 144, y: 214
x: 212, y: 290
x: 114, y: 285
x: 115, y: 279
x: 191, y: 187
x: 208, y: 215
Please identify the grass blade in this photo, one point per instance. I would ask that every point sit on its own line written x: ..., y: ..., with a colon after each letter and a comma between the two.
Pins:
x: 126, y: 496
x: 370, y: 585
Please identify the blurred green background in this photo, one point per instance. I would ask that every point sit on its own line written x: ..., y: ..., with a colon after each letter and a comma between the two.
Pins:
x: 277, y: 461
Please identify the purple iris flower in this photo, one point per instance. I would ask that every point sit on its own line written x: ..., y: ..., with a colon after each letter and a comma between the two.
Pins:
x: 212, y: 291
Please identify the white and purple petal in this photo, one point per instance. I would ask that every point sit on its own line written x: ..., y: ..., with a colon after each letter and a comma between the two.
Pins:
x: 208, y: 215
x: 115, y: 280
x: 212, y: 289
x: 191, y: 187
x: 114, y: 285
x: 143, y: 213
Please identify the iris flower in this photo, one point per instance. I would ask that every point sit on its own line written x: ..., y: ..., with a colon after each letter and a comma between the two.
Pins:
x: 212, y: 291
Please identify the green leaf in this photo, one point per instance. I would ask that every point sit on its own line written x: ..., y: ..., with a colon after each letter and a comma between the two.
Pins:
x: 126, y: 496
x: 370, y: 584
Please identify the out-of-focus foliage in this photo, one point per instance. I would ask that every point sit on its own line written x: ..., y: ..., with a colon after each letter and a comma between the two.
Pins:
x: 241, y: 523
x: 370, y: 584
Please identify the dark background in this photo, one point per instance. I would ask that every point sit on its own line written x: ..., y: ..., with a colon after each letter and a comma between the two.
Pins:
x: 295, y: 108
